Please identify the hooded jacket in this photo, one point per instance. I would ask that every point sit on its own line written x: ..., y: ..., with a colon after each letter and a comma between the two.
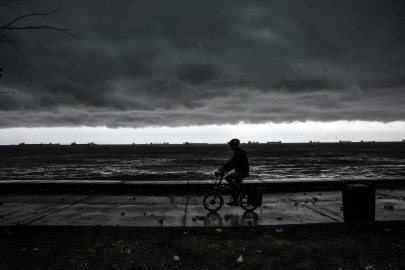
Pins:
x: 239, y: 162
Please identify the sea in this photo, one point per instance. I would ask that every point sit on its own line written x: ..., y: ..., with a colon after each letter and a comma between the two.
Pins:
x: 184, y: 162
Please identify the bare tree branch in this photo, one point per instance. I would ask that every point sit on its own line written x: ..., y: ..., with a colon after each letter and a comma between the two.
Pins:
x: 30, y: 15
x: 12, y: 43
x: 1, y: 70
x: 10, y: 26
x: 3, y: 37
x: 10, y: 8
x: 42, y: 28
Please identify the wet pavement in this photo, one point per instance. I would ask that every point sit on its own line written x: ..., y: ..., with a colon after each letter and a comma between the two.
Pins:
x: 106, y: 209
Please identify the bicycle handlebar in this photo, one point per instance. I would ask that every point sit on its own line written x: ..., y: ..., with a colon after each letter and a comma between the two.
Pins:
x: 221, y: 175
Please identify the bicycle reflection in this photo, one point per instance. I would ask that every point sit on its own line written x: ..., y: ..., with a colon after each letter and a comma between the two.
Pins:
x: 215, y: 219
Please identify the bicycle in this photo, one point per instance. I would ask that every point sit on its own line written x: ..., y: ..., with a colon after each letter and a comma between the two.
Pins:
x: 249, y: 199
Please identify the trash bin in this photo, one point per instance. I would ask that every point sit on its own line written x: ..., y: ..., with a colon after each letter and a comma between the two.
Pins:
x: 358, y: 202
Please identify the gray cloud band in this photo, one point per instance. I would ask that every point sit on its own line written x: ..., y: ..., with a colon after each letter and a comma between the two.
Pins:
x: 175, y: 63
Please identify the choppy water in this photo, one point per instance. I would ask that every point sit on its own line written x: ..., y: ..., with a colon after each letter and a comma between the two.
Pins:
x: 198, y: 162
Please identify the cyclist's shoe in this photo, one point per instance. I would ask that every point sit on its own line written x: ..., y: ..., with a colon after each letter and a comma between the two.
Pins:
x: 234, y: 202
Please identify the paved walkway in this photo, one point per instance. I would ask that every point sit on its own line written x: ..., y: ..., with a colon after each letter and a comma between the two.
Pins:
x: 184, y: 210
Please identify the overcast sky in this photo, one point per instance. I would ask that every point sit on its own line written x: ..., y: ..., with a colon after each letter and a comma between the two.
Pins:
x: 197, y: 63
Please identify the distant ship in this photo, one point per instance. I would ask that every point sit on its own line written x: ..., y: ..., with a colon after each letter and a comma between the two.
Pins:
x: 314, y: 142
x: 275, y: 142
x: 345, y: 141
x: 21, y: 144
x: 91, y: 143
x: 367, y: 141
x: 252, y: 142
x: 73, y: 143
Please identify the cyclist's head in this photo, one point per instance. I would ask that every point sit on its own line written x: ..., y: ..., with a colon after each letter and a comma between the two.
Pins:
x: 234, y: 143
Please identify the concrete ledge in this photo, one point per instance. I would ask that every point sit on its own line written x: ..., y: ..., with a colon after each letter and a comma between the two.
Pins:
x: 191, y: 184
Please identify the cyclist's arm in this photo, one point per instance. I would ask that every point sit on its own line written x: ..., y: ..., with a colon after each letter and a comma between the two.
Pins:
x: 227, y: 165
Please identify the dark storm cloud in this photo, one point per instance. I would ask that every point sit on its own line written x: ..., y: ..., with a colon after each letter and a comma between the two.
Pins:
x: 174, y: 63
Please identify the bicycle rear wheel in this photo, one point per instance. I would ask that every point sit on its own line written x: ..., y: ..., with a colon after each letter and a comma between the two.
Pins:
x: 244, y: 201
x: 213, y: 201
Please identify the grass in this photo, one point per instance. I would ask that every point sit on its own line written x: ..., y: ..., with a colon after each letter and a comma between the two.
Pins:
x: 317, y: 246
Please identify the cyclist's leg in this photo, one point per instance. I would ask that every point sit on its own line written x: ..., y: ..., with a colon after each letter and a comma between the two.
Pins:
x: 231, y: 180
x: 235, y: 188
x: 235, y: 179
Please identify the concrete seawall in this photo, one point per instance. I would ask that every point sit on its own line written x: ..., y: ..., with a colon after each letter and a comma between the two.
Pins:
x: 296, y: 184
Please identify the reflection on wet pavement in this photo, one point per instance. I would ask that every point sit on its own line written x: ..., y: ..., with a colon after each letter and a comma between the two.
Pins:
x: 184, y: 210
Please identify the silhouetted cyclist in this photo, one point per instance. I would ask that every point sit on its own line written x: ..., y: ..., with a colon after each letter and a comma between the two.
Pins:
x: 240, y: 163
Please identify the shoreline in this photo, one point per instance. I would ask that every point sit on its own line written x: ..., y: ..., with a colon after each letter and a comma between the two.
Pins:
x: 192, y: 144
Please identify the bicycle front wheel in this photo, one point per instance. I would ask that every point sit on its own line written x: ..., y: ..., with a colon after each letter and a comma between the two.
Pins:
x: 244, y: 201
x: 213, y: 201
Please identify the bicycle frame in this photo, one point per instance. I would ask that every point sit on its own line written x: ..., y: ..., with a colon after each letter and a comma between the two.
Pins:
x: 219, y: 188
x: 215, y: 199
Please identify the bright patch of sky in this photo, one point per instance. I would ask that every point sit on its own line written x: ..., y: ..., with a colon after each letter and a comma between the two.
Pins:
x: 286, y: 132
